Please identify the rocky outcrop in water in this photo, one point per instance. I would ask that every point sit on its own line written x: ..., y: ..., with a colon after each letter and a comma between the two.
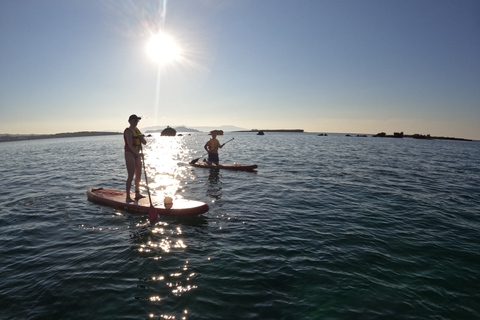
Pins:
x: 168, y: 132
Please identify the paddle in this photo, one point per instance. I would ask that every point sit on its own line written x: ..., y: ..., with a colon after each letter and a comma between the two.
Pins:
x: 152, y: 213
x: 195, y: 160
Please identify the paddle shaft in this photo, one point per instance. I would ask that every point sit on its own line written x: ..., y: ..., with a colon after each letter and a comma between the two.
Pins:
x: 146, y: 179
x: 228, y: 141
x: 152, y: 213
x: 195, y: 160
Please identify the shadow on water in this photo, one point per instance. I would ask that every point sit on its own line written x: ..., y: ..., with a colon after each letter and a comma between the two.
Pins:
x: 214, y: 188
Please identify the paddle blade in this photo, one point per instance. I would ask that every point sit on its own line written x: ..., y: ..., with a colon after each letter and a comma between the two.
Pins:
x: 152, y: 214
x: 194, y: 161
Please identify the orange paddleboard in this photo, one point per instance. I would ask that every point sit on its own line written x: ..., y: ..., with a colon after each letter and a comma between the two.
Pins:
x: 116, y: 199
x: 238, y: 167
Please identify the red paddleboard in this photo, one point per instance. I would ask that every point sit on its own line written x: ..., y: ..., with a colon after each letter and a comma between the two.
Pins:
x: 235, y: 166
x: 116, y: 199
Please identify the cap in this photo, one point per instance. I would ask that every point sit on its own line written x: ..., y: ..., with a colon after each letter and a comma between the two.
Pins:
x: 134, y: 117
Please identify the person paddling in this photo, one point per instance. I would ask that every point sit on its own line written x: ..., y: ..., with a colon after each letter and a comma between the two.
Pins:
x: 212, y: 147
x: 133, y: 140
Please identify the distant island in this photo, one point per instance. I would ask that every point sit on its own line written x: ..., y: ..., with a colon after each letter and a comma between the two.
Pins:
x: 415, y: 136
x: 177, y: 129
x: 274, y: 130
x: 19, y: 137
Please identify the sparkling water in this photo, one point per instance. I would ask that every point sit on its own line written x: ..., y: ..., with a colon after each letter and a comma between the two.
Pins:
x: 329, y: 227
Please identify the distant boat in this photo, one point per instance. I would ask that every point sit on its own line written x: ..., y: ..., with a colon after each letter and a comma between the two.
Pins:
x: 168, y: 132
x: 260, y: 133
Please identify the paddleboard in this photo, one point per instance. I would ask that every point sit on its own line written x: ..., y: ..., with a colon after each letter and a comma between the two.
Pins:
x: 116, y: 199
x: 235, y: 166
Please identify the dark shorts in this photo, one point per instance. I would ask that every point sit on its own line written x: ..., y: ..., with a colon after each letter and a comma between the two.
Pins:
x: 213, y: 157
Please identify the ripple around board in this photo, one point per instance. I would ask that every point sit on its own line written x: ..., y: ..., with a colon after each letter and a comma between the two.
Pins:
x: 331, y: 228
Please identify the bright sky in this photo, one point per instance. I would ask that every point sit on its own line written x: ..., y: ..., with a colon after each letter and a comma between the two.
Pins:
x: 350, y: 66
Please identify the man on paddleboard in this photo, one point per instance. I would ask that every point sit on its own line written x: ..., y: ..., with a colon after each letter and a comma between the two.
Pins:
x: 211, y: 147
x: 133, y: 143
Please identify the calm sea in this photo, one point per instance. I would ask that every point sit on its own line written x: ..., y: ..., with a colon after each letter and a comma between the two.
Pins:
x: 329, y: 227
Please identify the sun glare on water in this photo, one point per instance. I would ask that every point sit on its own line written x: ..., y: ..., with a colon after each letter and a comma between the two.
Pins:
x: 163, y: 49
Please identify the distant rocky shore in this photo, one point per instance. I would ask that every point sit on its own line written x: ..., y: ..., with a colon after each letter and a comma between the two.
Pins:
x: 19, y: 137
x: 416, y: 136
x: 274, y: 130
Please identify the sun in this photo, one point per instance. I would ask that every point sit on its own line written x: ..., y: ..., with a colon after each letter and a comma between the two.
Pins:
x: 163, y: 49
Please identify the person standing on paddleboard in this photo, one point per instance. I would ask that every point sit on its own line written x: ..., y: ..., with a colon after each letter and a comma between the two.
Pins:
x: 133, y: 140
x: 212, y: 147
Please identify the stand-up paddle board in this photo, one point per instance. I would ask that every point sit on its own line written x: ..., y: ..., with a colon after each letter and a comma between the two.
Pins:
x: 116, y: 199
x: 235, y: 166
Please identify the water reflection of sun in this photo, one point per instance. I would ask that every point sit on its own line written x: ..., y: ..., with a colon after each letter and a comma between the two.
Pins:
x: 161, y: 162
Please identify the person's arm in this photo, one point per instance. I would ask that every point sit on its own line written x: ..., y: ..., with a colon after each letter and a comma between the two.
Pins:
x: 206, y: 146
x: 142, y: 137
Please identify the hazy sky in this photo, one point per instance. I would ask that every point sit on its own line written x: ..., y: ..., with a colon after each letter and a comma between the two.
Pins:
x: 351, y: 66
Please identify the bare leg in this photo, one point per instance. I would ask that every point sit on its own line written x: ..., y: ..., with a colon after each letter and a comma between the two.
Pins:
x: 130, y: 162
x: 138, y: 177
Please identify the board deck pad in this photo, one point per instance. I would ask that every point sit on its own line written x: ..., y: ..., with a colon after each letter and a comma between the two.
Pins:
x: 234, y: 166
x: 116, y: 199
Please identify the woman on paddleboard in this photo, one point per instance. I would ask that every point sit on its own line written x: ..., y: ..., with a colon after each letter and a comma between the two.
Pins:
x: 212, y: 147
x: 133, y: 143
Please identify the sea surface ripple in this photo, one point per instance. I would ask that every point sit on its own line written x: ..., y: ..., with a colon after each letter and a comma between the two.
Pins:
x: 329, y: 227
